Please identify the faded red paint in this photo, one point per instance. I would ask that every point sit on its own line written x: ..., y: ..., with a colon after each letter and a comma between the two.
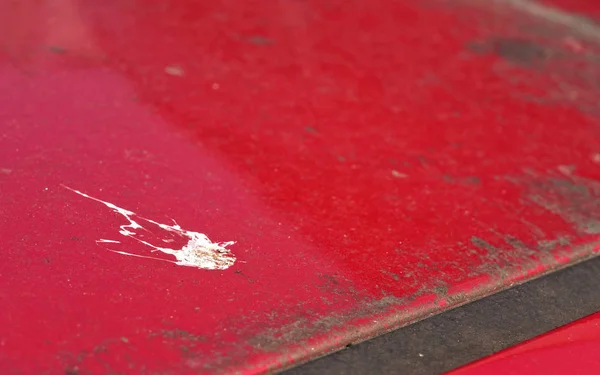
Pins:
x: 572, y: 349
x: 375, y: 162
x: 581, y: 8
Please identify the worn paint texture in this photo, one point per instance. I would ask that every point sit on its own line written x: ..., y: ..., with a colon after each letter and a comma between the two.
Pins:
x: 375, y: 162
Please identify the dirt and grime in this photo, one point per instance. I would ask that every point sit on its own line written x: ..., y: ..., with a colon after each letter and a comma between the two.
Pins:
x: 405, y: 196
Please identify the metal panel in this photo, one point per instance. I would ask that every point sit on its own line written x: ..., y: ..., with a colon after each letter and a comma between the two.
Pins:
x: 374, y: 162
x: 479, y: 329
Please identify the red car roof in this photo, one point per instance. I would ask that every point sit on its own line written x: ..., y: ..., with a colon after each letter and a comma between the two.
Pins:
x: 195, y: 187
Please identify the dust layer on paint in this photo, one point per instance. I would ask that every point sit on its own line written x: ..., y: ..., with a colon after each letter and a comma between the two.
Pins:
x: 199, y: 252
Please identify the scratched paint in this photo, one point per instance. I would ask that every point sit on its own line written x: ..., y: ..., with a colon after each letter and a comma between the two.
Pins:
x: 199, y: 252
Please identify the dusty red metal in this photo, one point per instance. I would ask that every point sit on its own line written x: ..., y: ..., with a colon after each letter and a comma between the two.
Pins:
x: 575, y: 8
x: 375, y: 162
x: 572, y: 349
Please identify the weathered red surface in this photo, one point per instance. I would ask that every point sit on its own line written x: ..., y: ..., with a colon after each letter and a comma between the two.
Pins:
x: 585, y: 8
x: 572, y: 349
x: 376, y: 162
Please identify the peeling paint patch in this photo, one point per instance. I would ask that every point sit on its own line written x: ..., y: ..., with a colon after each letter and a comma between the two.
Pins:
x: 199, y: 252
